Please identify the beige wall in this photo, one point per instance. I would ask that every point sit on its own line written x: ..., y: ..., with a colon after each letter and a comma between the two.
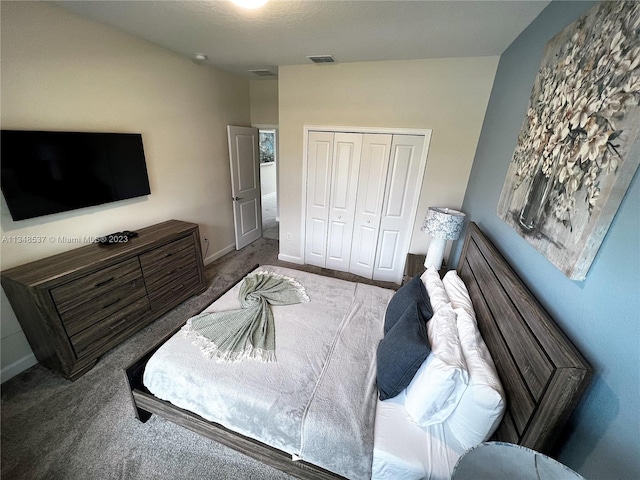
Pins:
x: 448, y: 96
x: 62, y: 72
x: 264, y: 102
x: 267, y: 179
x: 264, y: 112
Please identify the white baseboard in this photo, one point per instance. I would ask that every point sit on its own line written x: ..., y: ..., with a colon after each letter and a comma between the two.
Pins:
x: 220, y: 253
x: 290, y: 258
x: 17, y: 367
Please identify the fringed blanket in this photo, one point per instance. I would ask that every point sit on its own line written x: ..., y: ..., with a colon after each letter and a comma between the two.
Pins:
x: 317, y: 401
x: 248, y: 332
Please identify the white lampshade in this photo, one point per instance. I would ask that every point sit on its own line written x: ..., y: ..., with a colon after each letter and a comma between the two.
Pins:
x: 442, y: 224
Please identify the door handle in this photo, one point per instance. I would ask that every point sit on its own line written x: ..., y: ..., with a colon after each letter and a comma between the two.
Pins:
x: 238, y: 198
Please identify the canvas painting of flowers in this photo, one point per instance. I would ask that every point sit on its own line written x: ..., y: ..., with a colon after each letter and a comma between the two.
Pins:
x: 579, y: 146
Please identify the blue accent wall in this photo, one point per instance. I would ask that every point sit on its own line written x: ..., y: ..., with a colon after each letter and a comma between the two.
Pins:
x: 601, y: 314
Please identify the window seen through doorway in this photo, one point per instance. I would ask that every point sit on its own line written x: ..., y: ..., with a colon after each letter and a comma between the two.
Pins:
x: 267, y: 146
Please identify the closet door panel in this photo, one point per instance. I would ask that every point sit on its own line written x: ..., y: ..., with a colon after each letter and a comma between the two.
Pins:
x: 319, y: 168
x: 336, y: 246
x: 369, y: 203
x: 347, y: 151
x: 363, y: 252
x: 318, y: 231
x: 404, y: 181
x: 389, y: 243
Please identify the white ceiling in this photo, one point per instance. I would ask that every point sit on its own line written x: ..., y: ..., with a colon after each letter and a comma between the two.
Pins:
x: 285, y: 32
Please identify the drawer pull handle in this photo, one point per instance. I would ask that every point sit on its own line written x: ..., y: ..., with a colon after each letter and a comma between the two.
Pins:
x: 100, y: 284
x: 119, y: 324
x: 168, y: 254
x: 112, y: 303
x: 179, y: 287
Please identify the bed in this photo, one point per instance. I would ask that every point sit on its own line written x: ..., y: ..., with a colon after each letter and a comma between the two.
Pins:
x: 542, y: 373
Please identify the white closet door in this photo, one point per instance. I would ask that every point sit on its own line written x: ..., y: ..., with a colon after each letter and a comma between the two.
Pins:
x: 319, y: 168
x: 404, y: 181
x: 370, y: 199
x: 347, y: 150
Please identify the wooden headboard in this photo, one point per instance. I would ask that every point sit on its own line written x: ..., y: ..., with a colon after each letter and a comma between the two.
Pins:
x: 542, y: 373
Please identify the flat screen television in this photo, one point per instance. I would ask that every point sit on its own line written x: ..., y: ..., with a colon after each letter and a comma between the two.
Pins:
x: 51, y: 172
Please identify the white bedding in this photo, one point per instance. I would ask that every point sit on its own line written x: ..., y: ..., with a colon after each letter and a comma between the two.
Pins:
x: 317, y: 401
x: 407, y: 451
x: 340, y: 327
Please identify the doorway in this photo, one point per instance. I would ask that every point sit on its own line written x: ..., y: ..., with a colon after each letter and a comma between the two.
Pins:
x: 268, y: 141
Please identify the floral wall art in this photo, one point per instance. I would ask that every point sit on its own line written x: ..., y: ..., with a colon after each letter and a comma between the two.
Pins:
x: 579, y: 146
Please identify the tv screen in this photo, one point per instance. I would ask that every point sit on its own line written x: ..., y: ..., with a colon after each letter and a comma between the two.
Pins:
x: 51, y: 172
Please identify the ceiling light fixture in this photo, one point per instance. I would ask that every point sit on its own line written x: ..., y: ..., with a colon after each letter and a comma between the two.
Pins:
x: 250, y: 3
x: 199, y: 57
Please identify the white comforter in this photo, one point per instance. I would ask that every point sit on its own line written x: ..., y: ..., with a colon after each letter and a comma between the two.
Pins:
x: 317, y: 402
x: 407, y: 451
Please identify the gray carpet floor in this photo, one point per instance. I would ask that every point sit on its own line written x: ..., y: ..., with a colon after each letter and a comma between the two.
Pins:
x: 56, y: 429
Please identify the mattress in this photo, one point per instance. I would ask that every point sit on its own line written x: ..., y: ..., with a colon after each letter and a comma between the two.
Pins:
x: 317, y: 402
x: 404, y: 450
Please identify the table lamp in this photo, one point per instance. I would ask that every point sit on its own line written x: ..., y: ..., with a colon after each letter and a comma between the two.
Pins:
x: 442, y: 224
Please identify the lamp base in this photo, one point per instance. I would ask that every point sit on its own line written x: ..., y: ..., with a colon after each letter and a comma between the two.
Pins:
x: 435, y: 254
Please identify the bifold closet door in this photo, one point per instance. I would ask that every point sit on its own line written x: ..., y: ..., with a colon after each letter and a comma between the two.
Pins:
x: 404, y: 180
x: 370, y: 198
x: 333, y: 162
x: 362, y: 196
x: 319, y: 164
x: 347, y: 152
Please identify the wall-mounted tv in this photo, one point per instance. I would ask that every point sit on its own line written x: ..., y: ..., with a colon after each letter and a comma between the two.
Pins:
x: 51, y: 172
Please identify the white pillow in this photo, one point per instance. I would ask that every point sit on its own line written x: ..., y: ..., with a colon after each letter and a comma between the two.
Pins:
x: 440, y: 381
x: 482, y: 405
x: 457, y: 292
x: 435, y: 288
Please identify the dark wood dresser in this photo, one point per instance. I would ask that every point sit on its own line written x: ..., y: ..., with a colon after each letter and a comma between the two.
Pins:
x: 75, y: 306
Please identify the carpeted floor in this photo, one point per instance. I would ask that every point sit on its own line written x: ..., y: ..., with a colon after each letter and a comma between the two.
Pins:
x: 56, y: 429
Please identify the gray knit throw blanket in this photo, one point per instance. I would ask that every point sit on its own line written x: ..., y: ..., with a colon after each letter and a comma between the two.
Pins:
x: 249, y: 332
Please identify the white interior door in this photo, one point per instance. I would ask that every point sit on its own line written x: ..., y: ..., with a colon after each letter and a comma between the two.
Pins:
x: 404, y: 179
x: 370, y: 199
x: 319, y: 165
x: 244, y: 159
x: 347, y: 149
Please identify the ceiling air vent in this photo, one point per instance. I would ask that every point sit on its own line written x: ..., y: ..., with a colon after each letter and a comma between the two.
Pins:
x: 262, y: 72
x: 321, y: 58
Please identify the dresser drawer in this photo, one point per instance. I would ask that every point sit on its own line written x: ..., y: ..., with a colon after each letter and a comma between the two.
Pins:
x: 91, y: 339
x: 170, y: 268
x: 177, y: 287
x: 86, y: 314
x: 155, y: 260
x: 87, y: 288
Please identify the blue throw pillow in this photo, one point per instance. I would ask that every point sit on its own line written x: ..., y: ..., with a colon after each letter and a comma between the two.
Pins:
x: 412, y: 292
x: 401, y: 352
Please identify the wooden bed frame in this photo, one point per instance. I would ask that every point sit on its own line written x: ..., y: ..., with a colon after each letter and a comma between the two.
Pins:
x: 542, y: 373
